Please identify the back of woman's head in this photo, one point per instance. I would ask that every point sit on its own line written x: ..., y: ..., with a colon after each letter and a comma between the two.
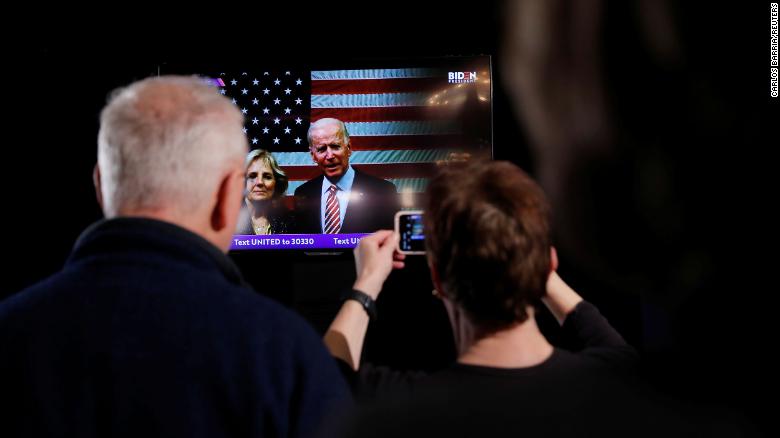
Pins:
x: 488, y: 236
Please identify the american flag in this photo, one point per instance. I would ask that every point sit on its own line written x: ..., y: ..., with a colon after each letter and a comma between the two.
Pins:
x: 400, y: 120
x: 275, y: 105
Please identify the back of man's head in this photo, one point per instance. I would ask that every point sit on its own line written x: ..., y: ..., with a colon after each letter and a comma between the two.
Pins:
x: 165, y: 145
x: 488, y: 236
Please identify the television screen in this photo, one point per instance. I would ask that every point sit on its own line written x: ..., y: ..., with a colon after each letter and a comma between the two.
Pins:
x: 336, y: 152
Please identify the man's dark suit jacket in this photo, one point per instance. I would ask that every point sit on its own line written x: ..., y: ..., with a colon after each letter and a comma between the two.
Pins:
x: 149, y: 331
x: 372, y: 205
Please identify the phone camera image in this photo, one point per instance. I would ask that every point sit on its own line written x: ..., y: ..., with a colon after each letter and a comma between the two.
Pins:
x: 410, y: 229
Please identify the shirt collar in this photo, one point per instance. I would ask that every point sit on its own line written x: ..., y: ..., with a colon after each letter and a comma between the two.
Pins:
x: 344, y: 183
x: 122, y: 234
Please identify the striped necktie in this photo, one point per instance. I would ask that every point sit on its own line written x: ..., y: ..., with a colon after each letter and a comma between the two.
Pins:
x: 332, y: 212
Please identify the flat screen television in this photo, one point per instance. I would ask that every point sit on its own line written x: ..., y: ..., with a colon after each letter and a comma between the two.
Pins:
x: 401, y: 117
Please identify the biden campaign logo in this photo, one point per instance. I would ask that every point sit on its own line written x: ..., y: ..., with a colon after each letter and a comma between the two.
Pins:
x: 461, y: 77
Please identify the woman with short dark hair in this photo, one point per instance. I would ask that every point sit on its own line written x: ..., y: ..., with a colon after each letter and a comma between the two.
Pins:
x: 489, y: 250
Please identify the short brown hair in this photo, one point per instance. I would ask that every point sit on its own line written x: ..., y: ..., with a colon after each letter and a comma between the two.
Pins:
x: 488, y: 235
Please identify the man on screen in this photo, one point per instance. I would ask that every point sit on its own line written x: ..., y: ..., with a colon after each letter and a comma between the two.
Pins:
x: 342, y: 199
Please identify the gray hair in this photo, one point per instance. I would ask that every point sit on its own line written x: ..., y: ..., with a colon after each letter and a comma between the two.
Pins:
x: 165, y: 142
x: 328, y: 121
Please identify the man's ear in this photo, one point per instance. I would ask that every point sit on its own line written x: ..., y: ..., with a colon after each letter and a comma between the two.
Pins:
x: 553, y: 259
x: 98, y: 189
x: 225, y: 210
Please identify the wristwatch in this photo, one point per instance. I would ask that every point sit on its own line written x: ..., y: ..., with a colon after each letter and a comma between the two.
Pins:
x: 365, y: 300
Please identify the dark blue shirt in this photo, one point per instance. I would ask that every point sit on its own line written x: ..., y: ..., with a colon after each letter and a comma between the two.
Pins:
x: 149, y: 331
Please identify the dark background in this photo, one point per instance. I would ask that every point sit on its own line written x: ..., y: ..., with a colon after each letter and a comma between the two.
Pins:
x: 699, y: 302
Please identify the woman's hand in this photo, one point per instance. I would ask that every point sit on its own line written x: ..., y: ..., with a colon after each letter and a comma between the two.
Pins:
x: 375, y: 258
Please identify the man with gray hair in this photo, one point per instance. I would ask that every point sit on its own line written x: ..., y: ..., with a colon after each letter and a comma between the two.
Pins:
x: 149, y: 329
x: 342, y: 199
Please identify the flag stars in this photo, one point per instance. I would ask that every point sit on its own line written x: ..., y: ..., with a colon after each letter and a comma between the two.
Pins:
x: 286, y: 97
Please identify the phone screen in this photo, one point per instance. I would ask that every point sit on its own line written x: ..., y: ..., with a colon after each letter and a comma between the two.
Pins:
x: 410, y: 228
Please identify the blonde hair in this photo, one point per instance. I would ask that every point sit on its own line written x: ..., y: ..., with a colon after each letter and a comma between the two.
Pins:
x: 279, y: 175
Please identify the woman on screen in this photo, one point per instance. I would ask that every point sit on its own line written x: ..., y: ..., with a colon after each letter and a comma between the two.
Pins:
x: 266, y: 185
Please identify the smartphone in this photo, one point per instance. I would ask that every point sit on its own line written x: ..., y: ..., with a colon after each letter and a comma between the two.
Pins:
x: 409, y: 225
